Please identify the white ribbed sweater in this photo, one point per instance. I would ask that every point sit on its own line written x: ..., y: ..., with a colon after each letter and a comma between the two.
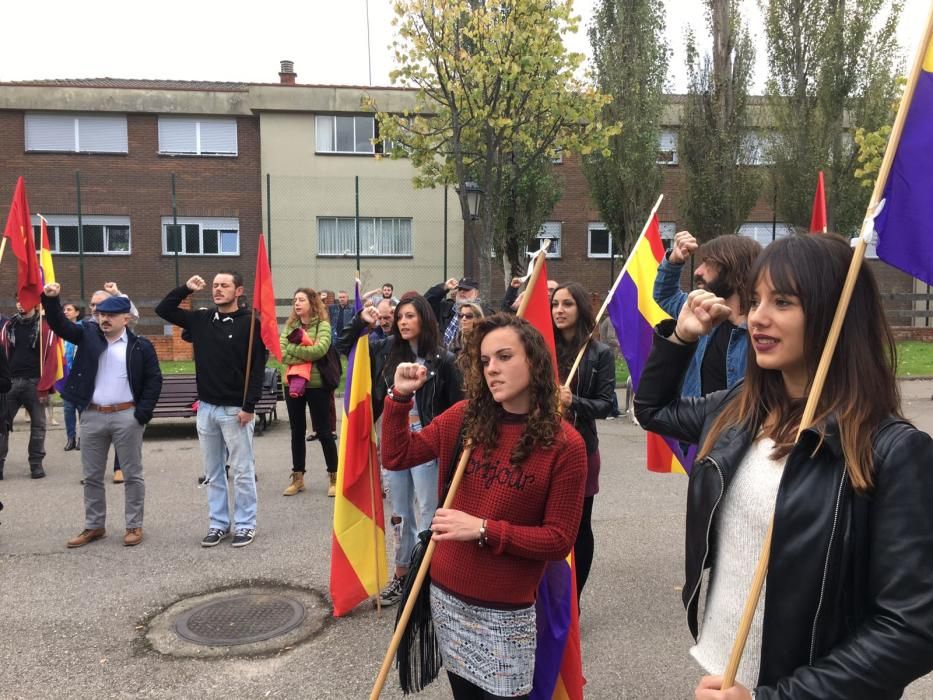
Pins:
x: 739, y: 528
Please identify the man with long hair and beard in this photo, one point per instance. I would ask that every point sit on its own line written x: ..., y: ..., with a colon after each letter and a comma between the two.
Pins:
x: 723, y: 266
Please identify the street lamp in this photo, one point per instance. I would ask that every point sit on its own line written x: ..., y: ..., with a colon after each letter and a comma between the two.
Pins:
x: 473, y: 194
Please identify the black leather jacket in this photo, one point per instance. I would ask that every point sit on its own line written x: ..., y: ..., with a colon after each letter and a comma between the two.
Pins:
x: 592, y: 396
x: 441, y: 391
x: 849, y: 596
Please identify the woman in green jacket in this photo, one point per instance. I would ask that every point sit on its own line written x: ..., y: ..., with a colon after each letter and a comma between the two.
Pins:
x: 306, y: 339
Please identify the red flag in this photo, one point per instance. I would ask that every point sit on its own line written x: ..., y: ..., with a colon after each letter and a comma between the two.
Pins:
x: 818, y: 217
x: 538, y: 310
x: 264, y: 302
x: 22, y: 240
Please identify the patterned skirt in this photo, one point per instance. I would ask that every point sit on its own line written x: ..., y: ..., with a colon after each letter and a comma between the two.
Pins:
x: 493, y: 649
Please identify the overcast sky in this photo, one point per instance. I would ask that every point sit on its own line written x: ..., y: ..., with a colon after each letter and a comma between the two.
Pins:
x: 238, y: 41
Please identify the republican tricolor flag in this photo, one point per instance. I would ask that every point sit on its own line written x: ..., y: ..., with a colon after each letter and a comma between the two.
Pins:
x: 55, y: 359
x: 358, y: 566
x: 634, y: 314
x: 558, y: 662
x: 905, y: 223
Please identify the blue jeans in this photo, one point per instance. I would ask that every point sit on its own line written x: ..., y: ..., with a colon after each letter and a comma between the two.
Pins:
x: 224, y: 441
x: 71, y: 419
x: 404, y: 487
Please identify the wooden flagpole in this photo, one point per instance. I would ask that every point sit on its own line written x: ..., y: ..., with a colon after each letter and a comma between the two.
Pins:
x: 822, y: 370
x: 615, y: 285
x: 372, y: 496
x: 429, y: 551
x: 249, y: 350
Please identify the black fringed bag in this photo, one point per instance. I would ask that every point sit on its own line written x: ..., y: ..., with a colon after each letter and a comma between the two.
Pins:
x: 418, y: 657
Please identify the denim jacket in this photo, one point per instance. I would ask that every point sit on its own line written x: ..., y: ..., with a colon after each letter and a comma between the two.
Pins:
x: 670, y: 297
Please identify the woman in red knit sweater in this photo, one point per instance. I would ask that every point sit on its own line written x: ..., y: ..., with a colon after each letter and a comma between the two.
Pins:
x: 517, y: 507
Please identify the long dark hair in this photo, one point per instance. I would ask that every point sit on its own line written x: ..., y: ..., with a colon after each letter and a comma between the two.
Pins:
x: 484, y: 415
x: 586, y: 321
x: 429, y: 339
x: 860, y: 389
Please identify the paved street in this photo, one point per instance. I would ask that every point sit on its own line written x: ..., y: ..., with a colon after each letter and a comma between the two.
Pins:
x: 72, y: 622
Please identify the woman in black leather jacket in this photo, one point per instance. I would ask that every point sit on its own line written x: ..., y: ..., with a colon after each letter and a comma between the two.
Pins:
x: 415, y: 338
x: 588, y: 397
x: 847, y: 610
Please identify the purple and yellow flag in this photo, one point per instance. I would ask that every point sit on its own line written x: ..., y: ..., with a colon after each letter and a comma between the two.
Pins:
x: 905, y: 223
x: 634, y: 314
x: 358, y: 567
x: 558, y: 663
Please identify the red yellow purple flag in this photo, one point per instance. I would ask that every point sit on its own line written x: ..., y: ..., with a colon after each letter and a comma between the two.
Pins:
x: 56, y: 348
x: 358, y: 566
x: 558, y: 661
x: 23, y: 242
x: 634, y: 314
x: 264, y: 302
x: 905, y: 223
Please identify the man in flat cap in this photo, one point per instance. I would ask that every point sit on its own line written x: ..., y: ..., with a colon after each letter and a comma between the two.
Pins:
x: 115, y: 382
x: 466, y: 290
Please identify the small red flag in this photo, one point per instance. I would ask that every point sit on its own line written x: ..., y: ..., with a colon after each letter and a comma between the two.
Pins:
x: 23, y: 242
x: 264, y: 302
x: 538, y: 310
x: 818, y: 218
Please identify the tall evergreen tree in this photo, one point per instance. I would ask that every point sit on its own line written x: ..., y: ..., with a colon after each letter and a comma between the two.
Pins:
x: 630, y: 57
x: 833, y: 66
x: 715, y: 136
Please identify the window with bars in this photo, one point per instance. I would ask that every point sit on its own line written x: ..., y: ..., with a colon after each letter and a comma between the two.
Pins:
x: 197, y: 137
x: 76, y: 133
x: 206, y: 236
x: 550, y: 231
x: 765, y: 231
x: 379, y: 236
x: 98, y: 235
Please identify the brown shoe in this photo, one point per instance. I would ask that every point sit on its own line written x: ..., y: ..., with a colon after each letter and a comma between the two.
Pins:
x: 86, y: 537
x: 118, y: 476
x: 133, y: 536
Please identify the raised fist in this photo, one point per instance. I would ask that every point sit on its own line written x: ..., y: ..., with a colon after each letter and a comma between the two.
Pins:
x: 196, y: 283
x: 684, y: 246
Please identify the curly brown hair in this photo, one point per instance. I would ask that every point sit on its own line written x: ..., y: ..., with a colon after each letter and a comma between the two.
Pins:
x: 484, y: 415
x: 318, y: 310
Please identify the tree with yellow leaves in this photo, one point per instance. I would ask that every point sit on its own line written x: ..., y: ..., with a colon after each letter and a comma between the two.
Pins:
x: 497, y: 91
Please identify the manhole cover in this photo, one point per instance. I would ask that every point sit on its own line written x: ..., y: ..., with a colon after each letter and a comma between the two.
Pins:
x: 241, y: 619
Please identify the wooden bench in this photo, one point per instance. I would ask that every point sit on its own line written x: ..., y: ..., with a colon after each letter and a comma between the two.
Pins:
x: 179, y: 397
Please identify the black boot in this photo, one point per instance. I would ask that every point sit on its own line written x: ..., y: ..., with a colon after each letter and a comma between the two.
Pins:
x: 70, y: 444
x: 36, y: 471
x: 1, y: 471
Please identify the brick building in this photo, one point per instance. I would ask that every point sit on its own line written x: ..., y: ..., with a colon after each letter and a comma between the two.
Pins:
x: 120, y: 142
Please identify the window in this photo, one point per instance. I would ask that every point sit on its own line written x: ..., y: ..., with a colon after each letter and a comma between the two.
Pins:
x: 599, y: 241
x: 200, y: 236
x: 103, y: 235
x: 550, y: 231
x: 668, y: 231
x: 667, y: 148
x: 347, y: 134
x: 758, y: 147
x: 762, y: 231
x: 379, y: 237
x: 197, y: 137
x: 76, y: 133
